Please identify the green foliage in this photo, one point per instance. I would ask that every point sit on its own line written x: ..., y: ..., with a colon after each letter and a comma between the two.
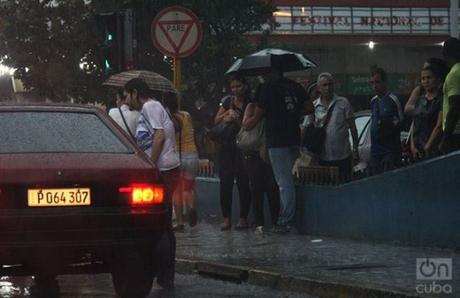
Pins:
x: 224, y: 25
x: 47, y: 40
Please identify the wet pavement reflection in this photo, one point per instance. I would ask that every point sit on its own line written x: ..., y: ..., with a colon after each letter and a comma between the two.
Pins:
x: 372, y: 264
x: 100, y: 286
x: 15, y: 286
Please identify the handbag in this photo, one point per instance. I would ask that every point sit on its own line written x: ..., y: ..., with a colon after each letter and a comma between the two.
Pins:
x: 315, y: 137
x: 224, y: 133
x: 252, y: 139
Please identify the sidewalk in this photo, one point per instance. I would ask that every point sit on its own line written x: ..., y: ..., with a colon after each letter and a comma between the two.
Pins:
x: 320, y: 266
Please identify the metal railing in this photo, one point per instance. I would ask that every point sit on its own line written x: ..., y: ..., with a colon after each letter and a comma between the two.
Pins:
x: 318, y: 175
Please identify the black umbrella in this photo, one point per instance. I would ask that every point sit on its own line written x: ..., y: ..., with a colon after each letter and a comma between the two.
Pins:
x: 262, y: 61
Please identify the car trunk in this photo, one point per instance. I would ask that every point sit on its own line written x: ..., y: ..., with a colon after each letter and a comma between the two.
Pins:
x: 102, y: 173
x: 109, y: 216
x: 73, y: 168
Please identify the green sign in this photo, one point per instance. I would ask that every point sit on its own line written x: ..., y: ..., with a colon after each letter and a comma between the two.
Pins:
x: 358, y: 84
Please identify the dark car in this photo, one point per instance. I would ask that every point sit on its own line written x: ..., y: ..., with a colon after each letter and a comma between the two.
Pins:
x: 78, y: 195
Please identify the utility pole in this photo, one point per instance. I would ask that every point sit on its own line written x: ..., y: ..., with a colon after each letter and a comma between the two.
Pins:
x: 454, y: 18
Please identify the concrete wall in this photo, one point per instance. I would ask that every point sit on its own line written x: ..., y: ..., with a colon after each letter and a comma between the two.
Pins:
x: 416, y: 205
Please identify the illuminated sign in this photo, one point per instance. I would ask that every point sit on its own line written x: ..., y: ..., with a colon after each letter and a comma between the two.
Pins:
x: 361, y: 20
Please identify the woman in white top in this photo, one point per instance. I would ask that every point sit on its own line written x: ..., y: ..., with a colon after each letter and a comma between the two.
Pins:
x: 126, y: 114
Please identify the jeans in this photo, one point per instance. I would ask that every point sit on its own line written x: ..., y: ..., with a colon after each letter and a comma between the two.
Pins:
x: 282, y: 160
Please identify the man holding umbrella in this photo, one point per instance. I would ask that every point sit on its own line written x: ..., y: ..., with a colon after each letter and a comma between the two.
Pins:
x: 282, y: 102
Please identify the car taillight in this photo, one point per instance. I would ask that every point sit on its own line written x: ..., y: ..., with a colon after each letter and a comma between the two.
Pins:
x: 144, y: 194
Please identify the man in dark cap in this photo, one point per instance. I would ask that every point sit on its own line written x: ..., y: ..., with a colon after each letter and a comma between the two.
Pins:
x: 451, y: 101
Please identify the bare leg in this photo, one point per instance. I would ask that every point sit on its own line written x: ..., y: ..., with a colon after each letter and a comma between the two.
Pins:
x: 178, y: 209
x: 189, y: 198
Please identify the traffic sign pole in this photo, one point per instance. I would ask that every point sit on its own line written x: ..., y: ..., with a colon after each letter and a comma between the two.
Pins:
x: 177, y: 77
x: 176, y: 32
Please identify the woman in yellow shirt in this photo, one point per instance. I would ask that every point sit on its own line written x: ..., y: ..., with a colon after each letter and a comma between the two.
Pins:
x: 185, y: 146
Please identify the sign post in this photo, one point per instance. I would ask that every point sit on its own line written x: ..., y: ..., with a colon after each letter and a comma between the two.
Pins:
x: 176, y: 32
x: 177, y: 72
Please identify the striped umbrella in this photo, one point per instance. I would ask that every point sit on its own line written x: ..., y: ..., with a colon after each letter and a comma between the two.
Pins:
x: 154, y: 80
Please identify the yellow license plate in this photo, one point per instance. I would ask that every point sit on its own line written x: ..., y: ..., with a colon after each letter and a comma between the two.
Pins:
x: 57, y: 197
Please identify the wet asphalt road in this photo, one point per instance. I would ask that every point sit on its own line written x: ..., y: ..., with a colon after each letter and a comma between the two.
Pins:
x: 100, y: 286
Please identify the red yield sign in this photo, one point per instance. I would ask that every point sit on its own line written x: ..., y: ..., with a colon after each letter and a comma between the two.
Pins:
x: 176, y: 32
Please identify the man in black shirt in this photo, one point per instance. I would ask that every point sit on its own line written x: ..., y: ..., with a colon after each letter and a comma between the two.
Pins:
x: 282, y: 102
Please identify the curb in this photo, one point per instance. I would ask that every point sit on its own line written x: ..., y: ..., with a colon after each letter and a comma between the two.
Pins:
x: 274, y: 280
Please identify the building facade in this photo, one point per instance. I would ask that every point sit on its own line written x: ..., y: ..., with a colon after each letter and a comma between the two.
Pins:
x: 348, y: 37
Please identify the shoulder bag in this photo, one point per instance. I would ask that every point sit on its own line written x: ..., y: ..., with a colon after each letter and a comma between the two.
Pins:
x: 315, y: 137
x: 252, y: 139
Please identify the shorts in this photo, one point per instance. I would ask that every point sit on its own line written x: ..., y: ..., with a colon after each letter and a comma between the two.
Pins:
x: 189, y: 170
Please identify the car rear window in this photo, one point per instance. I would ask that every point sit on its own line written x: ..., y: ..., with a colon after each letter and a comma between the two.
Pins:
x: 37, y: 131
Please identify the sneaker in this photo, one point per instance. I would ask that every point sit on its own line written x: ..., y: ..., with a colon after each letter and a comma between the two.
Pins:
x: 259, y: 230
x: 192, y: 217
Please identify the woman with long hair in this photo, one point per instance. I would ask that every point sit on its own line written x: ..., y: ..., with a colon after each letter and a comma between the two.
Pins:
x: 261, y: 178
x: 185, y: 145
x: 231, y: 160
x: 427, y: 123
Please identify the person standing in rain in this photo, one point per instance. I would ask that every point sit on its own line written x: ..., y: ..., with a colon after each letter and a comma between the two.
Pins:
x: 386, y: 120
x: 155, y: 135
x: 126, y: 114
x: 185, y: 143
x: 231, y: 159
x: 427, y: 122
x: 451, y: 103
x: 336, y: 151
x: 282, y: 102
